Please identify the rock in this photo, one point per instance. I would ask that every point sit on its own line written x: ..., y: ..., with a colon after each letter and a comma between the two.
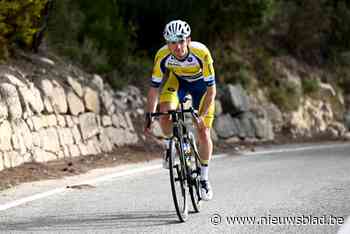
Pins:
x: 106, y: 121
x: 225, y: 127
x: 129, y: 121
x: 12, y: 159
x: 213, y: 135
x: 75, y: 120
x: 232, y: 140
x: 60, y: 154
x: 75, y: 105
x: 107, y: 102
x: 58, y: 99
x: 54, y: 95
x: 49, y: 140
x: 246, y: 125
x: 74, y: 150
x: 347, y: 120
x: 106, y: 145
x: 47, y: 105
x: 327, y: 90
x: 47, y: 61
x: 37, y: 122
x: 260, y: 112
x: 91, y: 100
x: 10, y: 95
x: 120, y: 104
x: 115, y: 121
x: 5, y: 136
x: 76, y: 86
x: 76, y: 135
x: 1, y: 161
x: 333, y: 133
x: 98, y: 82
x: 32, y: 99
x: 14, y: 80
x: 122, y: 121
x: 61, y: 121
x: 30, y: 124
x: 347, y: 136
x: 83, y: 149
x: 235, y: 100
x: 69, y: 120
x: 51, y: 120
x: 36, y: 139
x: 263, y: 129
x: 116, y: 136
x: 40, y: 155
x: 65, y: 136
x: 88, y: 125
x: 131, y: 138
x: 22, y: 137
x: 275, y: 115
x: 218, y: 108
x: 3, y: 110
x: 338, y: 127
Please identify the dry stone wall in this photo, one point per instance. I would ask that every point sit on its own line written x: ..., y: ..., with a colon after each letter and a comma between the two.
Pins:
x: 46, y: 115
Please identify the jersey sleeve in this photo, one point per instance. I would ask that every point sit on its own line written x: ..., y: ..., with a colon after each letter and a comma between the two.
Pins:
x: 158, y: 70
x: 208, y: 69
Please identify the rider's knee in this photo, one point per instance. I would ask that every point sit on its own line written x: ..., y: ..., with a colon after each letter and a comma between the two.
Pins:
x: 204, y: 135
x: 164, y: 120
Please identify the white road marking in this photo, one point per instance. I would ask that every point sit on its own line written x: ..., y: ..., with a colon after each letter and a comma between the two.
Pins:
x: 139, y: 170
x: 292, y: 149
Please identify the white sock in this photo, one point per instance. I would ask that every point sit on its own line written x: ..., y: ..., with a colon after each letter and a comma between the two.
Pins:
x: 204, y: 172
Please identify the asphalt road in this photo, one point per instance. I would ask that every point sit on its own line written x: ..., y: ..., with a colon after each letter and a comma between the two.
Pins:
x: 308, y: 186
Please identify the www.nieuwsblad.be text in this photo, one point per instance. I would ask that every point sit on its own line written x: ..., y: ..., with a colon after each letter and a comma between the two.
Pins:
x: 217, y: 219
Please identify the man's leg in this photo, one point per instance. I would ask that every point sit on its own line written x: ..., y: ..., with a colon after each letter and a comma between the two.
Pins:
x: 168, y: 101
x: 165, y: 121
x: 205, y: 150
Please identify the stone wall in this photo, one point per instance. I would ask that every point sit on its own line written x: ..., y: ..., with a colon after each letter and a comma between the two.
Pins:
x: 52, y: 112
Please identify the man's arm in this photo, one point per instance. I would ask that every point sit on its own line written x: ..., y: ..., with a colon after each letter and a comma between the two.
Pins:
x: 152, y: 99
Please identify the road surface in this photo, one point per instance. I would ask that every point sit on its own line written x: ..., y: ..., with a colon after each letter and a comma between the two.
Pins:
x: 285, y: 189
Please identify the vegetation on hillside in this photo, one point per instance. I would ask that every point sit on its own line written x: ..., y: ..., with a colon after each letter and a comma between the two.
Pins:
x: 118, y: 38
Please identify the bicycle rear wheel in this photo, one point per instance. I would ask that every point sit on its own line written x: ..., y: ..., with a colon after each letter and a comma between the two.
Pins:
x: 194, y: 183
x: 178, y: 181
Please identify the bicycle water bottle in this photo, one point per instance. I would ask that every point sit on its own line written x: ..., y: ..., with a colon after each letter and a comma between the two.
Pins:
x: 187, y: 148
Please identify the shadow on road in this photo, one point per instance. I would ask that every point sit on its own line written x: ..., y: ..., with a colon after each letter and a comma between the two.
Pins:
x: 93, y: 221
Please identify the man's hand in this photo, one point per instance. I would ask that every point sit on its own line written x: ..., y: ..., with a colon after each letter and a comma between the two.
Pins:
x: 148, y: 123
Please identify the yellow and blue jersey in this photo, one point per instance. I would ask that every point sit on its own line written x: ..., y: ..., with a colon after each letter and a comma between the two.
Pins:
x: 197, y: 65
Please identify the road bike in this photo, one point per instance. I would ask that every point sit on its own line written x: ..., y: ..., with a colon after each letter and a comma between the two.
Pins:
x: 184, y: 162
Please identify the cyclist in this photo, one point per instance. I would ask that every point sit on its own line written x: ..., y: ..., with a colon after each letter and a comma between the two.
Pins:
x: 183, y: 66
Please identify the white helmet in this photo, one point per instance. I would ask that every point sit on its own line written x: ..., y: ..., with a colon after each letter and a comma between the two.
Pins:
x: 176, y: 30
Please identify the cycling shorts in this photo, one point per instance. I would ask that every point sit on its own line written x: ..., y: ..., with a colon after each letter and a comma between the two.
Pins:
x: 175, y: 89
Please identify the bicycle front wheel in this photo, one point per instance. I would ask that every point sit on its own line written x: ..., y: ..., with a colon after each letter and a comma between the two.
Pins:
x: 194, y: 184
x: 178, y: 181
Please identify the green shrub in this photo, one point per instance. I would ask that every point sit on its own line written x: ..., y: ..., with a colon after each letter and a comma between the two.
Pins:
x: 310, y: 86
x: 264, y: 68
x: 286, y: 96
x: 19, y: 21
x: 137, y: 71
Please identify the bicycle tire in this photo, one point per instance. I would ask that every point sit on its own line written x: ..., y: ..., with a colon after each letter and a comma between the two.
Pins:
x: 194, y: 176
x: 178, y: 181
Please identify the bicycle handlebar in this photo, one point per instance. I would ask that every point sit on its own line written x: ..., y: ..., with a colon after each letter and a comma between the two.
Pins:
x: 171, y: 112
